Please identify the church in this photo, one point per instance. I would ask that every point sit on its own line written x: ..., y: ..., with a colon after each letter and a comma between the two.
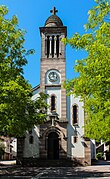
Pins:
x: 61, y: 137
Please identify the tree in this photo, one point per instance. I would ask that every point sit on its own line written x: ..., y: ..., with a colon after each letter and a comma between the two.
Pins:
x: 18, y: 112
x: 93, y: 83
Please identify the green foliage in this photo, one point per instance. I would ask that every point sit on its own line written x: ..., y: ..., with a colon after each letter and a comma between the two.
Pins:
x: 100, y: 156
x: 18, y: 112
x: 93, y: 83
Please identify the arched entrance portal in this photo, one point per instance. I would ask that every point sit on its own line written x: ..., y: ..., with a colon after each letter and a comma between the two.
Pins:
x: 53, y: 146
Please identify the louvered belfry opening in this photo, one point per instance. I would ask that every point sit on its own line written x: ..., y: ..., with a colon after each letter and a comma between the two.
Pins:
x: 52, y: 45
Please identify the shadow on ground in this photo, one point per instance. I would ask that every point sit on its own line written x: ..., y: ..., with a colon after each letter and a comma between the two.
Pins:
x: 91, y: 171
x: 101, y: 162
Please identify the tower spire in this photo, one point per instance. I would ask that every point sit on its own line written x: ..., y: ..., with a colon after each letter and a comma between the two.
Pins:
x: 54, y: 11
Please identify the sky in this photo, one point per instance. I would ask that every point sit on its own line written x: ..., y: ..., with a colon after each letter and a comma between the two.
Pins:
x: 32, y: 14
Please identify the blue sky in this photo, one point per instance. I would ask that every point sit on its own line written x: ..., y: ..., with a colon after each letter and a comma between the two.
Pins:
x: 32, y: 14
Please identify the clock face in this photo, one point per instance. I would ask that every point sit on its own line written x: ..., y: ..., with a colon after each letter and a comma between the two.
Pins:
x: 53, y: 76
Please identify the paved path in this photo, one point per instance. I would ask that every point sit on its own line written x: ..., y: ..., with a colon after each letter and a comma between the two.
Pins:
x: 97, y: 171
x: 8, y: 162
x: 89, y: 172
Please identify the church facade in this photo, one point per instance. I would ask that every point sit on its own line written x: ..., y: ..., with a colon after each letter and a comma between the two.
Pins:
x: 61, y: 136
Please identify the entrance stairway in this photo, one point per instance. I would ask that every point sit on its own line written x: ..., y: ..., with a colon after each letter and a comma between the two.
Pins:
x: 49, y: 163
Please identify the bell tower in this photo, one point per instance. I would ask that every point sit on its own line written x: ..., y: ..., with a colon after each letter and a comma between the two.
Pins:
x: 53, y: 63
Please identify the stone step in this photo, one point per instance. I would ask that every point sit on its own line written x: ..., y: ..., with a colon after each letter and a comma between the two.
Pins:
x: 49, y: 163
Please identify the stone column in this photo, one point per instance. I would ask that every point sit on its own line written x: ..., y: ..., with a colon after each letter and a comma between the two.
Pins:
x: 50, y: 53
x: 87, y: 152
x: 55, y: 46
x: 45, y: 45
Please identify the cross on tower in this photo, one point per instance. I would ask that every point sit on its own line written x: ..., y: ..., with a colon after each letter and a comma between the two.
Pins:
x: 54, y: 11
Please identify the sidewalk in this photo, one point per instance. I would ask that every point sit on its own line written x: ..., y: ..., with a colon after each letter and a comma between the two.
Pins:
x: 8, y: 162
x: 97, y: 170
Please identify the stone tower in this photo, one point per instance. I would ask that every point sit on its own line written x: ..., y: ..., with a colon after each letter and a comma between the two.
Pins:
x: 52, y: 76
x: 53, y: 57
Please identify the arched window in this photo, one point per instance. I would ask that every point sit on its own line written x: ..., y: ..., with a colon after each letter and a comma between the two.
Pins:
x: 75, y: 139
x: 53, y: 103
x: 75, y: 114
x: 75, y: 135
x: 31, y: 139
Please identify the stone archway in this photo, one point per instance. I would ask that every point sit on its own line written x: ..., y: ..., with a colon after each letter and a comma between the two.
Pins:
x: 53, y: 146
x: 53, y: 136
